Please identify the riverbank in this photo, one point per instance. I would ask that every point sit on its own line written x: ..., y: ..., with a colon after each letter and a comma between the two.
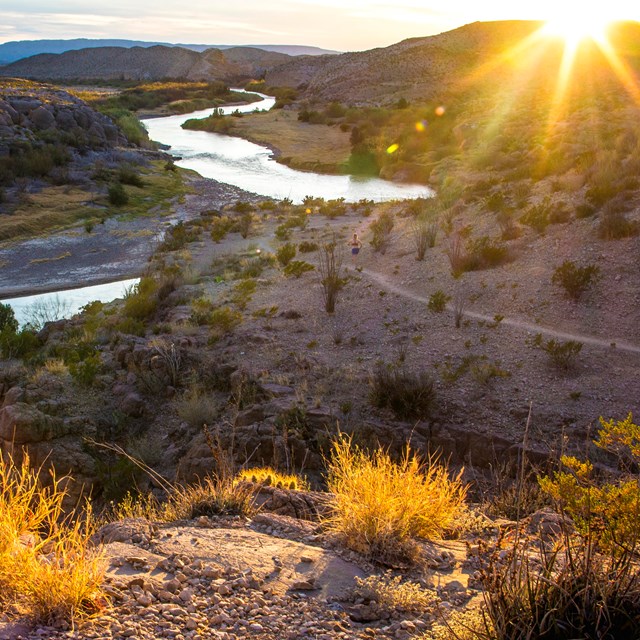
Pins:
x: 296, y: 144
x: 118, y: 249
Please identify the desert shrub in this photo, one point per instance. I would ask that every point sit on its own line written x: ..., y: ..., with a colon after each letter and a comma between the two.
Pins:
x: 201, y: 309
x: 126, y: 175
x: 424, y: 236
x: 286, y: 253
x: 407, y: 394
x: 269, y: 477
x: 457, y: 255
x: 333, y: 208
x: 393, y: 594
x: 566, y: 590
x: 575, y: 280
x: 508, y: 228
x: 484, y: 371
x: 48, y: 567
x: 178, y: 236
x: 485, y: 253
x: 7, y: 318
x: 220, y: 226
x: 615, y: 225
x: 117, y: 195
x: 329, y: 267
x: 84, y: 371
x: 382, y: 228
x: 562, y: 354
x: 585, y: 211
x: 224, y: 320
x: 283, y: 232
x: 307, y: 247
x: 438, y: 301
x: 197, y: 407
x: 141, y: 301
x: 243, y: 224
x: 537, y: 216
x: 380, y: 505
x: 242, y: 207
x: 21, y: 344
x: 243, y: 291
x: 297, y: 268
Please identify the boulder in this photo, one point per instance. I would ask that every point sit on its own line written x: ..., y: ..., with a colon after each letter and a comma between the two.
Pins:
x: 42, y: 118
x: 20, y: 423
x: 132, y: 405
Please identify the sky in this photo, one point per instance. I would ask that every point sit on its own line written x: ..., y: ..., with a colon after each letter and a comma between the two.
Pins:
x: 344, y: 25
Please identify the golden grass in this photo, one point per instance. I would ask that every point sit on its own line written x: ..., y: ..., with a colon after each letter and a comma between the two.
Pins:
x: 271, y: 478
x: 48, y: 567
x: 381, y: 506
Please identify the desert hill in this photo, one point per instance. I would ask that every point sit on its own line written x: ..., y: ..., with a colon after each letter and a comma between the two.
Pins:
x: 150, y: 63
x: 16, y: 50
x: 423, y: 67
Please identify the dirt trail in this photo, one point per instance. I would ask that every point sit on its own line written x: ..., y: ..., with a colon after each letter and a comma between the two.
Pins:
x: 606, y: 343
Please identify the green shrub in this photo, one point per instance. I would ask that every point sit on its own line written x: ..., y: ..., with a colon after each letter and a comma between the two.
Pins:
x: 7, y: 318
x: 220, y: 226
x: 575, y: 280
x: 142, y: 301
x: 286, y: 253
x: 297, y: 268
x: 438, y: 301
x: 485, y: 253
x: 85, y: 371
x: 126, y: 175
x: 243, y: 291
x: 21, y: 344
x: 382, y: 228
x: 407, y: 394
x: 615, y: 225
x: 307, y: 247
x: 562, y: 354
x: 117, y: 195
x: 224, y: 320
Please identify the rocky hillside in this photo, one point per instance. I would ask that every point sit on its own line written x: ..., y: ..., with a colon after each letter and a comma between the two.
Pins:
x: 27, y: 109
x: 147, y: 63
x: 421, y: 67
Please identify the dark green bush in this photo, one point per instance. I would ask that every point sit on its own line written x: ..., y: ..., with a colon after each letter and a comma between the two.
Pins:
x: 575, y: 280
x: 409, y: 395
x: 7, y: 318
x: 117, y: 195
x: 286, y: 253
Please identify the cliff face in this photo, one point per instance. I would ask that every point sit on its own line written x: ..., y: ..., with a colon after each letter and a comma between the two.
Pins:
x: 147, y: 63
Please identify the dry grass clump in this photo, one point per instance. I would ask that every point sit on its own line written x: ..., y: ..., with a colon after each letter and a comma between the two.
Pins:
x: 269, y: 477
x: 392, y: 594
x: 380, y: 506
x: 48, y: 569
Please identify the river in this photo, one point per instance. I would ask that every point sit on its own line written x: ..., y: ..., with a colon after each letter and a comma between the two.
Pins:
x: 252, y: 167
x: 236, y: 162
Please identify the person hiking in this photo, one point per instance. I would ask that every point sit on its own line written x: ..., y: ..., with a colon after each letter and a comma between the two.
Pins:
x: 355, y: 245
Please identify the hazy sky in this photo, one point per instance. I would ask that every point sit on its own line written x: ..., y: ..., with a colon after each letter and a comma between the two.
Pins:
x: 335, y: 24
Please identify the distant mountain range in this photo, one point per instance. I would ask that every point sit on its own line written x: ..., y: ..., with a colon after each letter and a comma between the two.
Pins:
x: 16, y: 50
x: 147, y: 63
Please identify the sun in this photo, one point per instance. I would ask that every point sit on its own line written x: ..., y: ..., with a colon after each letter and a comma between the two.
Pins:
x: 590, y: 21
x: 587, y: 23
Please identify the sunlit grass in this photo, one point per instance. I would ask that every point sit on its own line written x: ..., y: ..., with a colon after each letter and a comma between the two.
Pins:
x: 380, y: 505
x: 48, y: 568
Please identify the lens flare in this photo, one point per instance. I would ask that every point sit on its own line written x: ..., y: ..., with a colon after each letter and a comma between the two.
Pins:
x: 421, y: 126
x: 440, y: 111
x: 393, y: 148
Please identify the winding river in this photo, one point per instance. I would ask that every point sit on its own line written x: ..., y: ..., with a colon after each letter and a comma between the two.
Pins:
x: 252, y: 167
x: 234, y: 161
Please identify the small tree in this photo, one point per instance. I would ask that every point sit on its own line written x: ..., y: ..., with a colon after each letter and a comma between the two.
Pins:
x: 330, y: 265
x: 7, y: 318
